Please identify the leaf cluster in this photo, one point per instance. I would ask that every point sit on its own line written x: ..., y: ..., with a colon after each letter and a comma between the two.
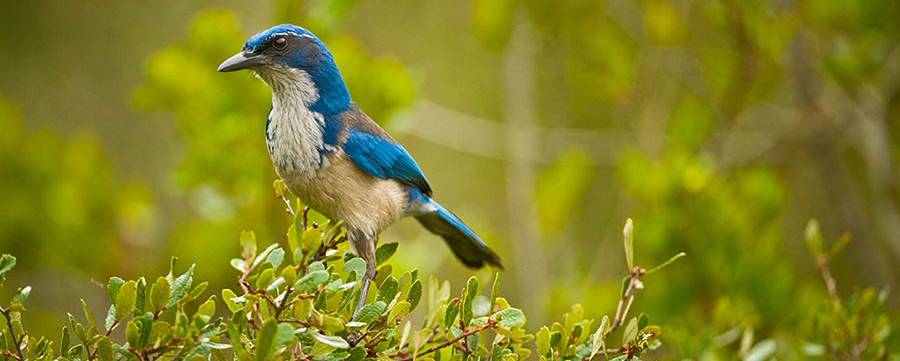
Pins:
x: 297, y: 303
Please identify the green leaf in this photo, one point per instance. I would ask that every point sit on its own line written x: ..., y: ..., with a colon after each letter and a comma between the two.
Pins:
x: 104, y: 349
x: 88, y: 315
x: 181, y: 285
x: 265, y: 278
x: 598, y: 340
x: 284, y: 335
x: 228, y: 296
x: 452, y: 311
x: 76, y: 352
x: 762, y: 350
x: 357, y: 353
x: 415, y: 294
x: 248, y: 244
x: 838, y: 245
x: 332, y: 341
x: 78, y: 328
x: 279, y: 187
x: 146, y: 329
x: 666, y: 263
x: 356, y: 266
x: 264, y: 255
x: 814, y: 238
x: 289, y: 274
x: 7, y: 262
x: 141, y: 295
x: 384, y: 252
x: 370, y: 312
x: 275, y: 257
x: 480, y: 306
x: 315, y: 266
x: 234, y: 333
x: 631, y: 330
x: 113, y: 288
x: 64, y: 344
x: 208, y: 308
x: 465, y: 308
x: 293, y: 240
x: 132, y: 332
x: 332, y: 324
x: 543, y: 341
x: 159, y: 293
x: 643, y: 321
x: 510, y: 317
x: 238, y: 264
x: 22, y: 295
x: 495, y: 291
x: 401, y: 309
x: 311, y: 240
x: 625, y: 282
x: 574, y: 316
x: 125, y: 300
x: 110, y: 319
x: 195, y: 292
x: 311, y: 281
x: 388, y: 290
x: 628, y: 233
x: 266, y: 340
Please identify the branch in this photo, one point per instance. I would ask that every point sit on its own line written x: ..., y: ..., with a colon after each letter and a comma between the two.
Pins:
x: 12, y: 355
x: 636, y: 273
x: 16, y: 342
x: 822, y: 262
x: 446, y: 343
x: 287, y: 205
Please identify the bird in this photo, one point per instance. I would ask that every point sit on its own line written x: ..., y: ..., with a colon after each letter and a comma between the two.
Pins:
x: 335, y: 158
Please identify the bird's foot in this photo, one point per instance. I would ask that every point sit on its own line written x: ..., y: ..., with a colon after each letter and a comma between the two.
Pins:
x: 362, y: 295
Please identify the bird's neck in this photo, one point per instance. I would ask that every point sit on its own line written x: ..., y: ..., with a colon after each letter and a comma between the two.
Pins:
x: 320, y: 90
x: 303, y: 124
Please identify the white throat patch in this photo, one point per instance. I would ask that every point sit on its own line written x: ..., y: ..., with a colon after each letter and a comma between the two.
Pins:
x: 294, y: 134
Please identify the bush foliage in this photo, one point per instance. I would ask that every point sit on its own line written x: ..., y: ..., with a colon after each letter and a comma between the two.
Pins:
x: 297, y: 302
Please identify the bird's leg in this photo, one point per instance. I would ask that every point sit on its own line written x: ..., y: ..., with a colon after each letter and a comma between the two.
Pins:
x: 364, y: 246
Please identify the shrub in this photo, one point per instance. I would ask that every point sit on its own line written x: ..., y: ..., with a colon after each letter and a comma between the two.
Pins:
x: 297, y: 302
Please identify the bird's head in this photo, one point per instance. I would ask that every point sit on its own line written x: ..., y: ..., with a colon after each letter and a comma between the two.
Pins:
x: 287, y: 56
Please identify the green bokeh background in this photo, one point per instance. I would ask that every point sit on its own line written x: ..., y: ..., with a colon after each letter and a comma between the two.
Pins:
x: 720, y: 127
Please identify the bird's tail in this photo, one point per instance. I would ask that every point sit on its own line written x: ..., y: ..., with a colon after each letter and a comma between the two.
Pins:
x: 464, y: 243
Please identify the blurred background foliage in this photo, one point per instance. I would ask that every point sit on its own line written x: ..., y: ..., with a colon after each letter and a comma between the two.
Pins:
x: 720, y: 126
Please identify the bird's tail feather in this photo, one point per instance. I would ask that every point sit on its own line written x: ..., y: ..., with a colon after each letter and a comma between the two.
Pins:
x: 462, y: 241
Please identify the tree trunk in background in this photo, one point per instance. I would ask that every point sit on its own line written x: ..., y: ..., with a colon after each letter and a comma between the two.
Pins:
x: 523, y: 144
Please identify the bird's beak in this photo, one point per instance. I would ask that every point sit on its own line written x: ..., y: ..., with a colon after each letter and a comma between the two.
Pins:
x: 242, y: 60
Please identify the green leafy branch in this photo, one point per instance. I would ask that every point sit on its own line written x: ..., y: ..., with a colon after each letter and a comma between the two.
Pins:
x: 573, y: 340
x: 855, y: 330
x: 297, y: 302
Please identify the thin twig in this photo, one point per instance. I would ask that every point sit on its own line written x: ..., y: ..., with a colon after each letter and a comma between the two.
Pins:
x: 636, y: 273
x: 8, y: 354
x: 287, y: 205
x: 12, y: 333
x: 304, y: 215
x: 16, y: 342
x: 822, y: 262
x: 445, y: 343
x: 622, y: 349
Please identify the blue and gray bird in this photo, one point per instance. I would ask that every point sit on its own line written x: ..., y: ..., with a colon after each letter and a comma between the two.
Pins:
x: 337, y: 160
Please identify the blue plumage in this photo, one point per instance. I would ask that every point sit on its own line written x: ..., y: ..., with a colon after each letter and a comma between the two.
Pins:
x: 384, y: 159
x: 337, y: 160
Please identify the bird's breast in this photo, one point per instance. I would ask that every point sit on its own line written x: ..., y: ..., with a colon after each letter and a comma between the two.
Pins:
x: 342, y: 191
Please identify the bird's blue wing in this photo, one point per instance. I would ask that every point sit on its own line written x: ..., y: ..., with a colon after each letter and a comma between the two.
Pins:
x: 385, y: 159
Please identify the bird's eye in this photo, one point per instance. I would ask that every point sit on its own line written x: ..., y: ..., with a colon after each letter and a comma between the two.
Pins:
x: 280, y: 43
